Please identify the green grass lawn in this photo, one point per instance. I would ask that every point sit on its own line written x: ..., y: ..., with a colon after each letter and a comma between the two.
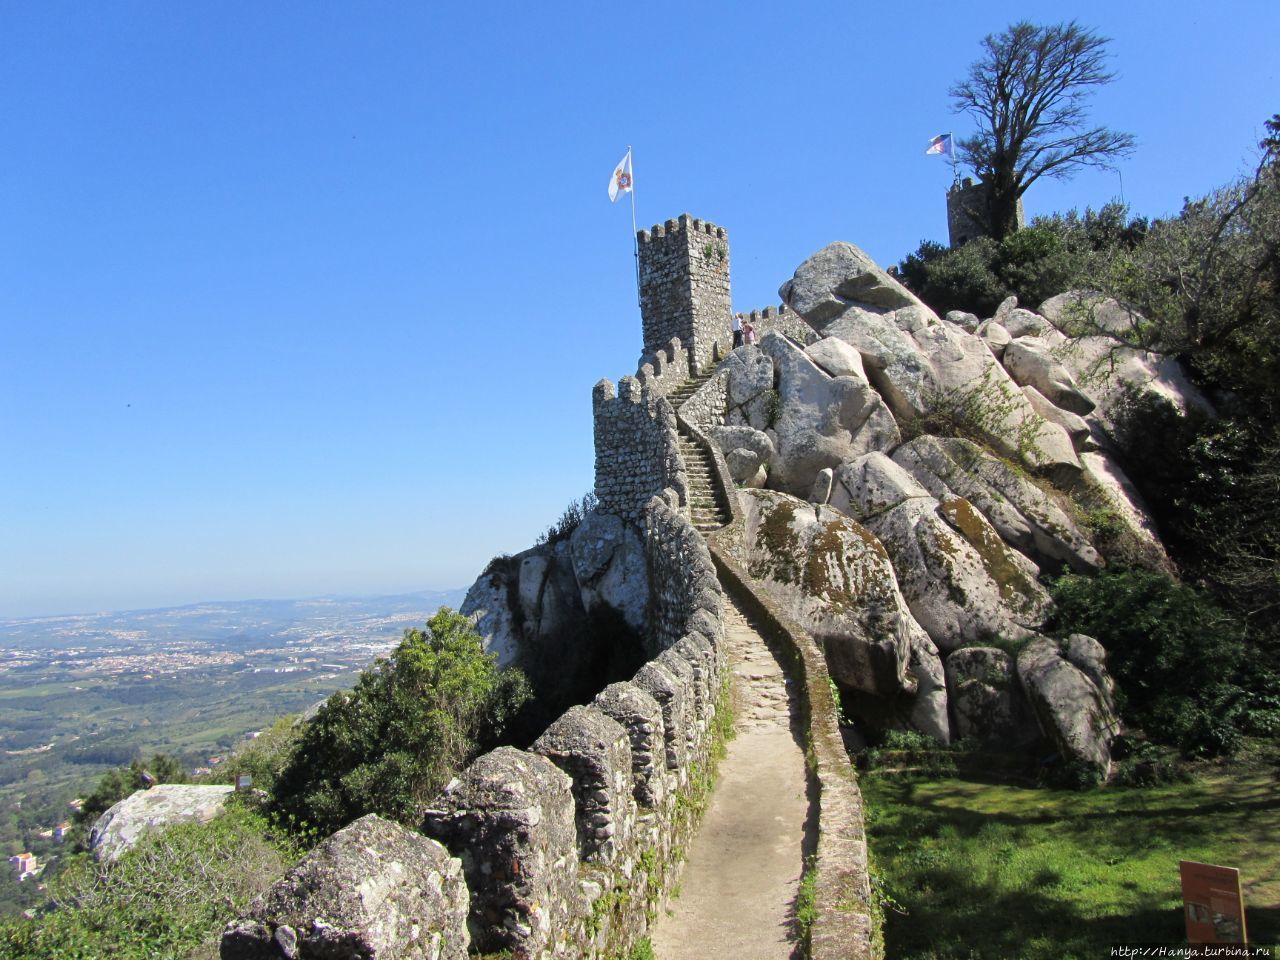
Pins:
x: 985, y: 870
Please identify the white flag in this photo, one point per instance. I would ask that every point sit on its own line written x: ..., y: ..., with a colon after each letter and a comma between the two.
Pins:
x: 620, y: 182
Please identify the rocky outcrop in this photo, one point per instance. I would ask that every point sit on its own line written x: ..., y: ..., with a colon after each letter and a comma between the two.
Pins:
x: 749, y: 395
x: 834, y: 578
x: 373, y: 890
x: 1031, y: 364
x: 147, y: 812
x: 1074, y: 712
x: 836, y: 276
x: 987, y: 702
x: 1109, y: 370
x: 1127, y: 532
x: 747, y: 452
x: 928, y: 708
x: 823, y: 420
x: 1028, y: 517
x: 609, y: 567
x: 920, y: 365
x: 961, y: 581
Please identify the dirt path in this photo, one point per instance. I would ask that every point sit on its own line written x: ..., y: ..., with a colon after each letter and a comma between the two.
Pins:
x: 739, y: 885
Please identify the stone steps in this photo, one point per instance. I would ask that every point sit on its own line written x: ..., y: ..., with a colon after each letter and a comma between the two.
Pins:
x: 705, y: 509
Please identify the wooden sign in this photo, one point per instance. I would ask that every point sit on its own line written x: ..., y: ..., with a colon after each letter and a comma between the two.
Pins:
x: 1213, y: 903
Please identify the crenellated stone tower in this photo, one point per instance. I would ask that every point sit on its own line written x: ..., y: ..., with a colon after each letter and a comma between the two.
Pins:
x: 968, y: 215
x: 684, y: 287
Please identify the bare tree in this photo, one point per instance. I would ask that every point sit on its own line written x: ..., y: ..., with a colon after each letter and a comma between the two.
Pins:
x: 1028, y: 95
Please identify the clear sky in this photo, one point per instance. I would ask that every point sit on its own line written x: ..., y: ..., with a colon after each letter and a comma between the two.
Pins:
x: 300, y: 298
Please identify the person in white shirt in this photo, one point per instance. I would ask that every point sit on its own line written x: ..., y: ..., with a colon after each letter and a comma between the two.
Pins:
x: 735, y: 324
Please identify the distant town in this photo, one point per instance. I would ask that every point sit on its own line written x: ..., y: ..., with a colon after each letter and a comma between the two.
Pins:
x: 82, y: 694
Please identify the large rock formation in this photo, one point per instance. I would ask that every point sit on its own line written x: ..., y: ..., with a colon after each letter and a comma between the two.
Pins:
x: 1071, y: 700
x: 147, y: 812
x: 920, y: 365
x: 824, y: 420
x: 987, y: 702
x: 1029, y: 518
x: 1109, y: 370
x: 834, y: 578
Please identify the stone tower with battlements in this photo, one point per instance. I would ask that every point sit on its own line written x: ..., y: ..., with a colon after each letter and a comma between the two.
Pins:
x: 967, y: 214
x: 684, y: 288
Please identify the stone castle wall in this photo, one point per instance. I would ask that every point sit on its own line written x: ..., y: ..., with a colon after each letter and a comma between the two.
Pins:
x: 684, y: 287
x: 567, y: 849
x: 637, y: 449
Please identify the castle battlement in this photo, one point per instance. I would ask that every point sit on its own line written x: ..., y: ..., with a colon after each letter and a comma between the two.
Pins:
x: 682, y: 224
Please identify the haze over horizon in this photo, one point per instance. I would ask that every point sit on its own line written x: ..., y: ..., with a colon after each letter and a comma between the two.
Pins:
x: 301, y: 301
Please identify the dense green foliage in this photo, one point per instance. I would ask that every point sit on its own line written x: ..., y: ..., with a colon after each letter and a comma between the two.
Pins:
x: 1054, y: 254
x: 410, y: 724
x: 263, y: 758
x: 972, y: 870
x: 163, y: 898
x: 1176, y: 655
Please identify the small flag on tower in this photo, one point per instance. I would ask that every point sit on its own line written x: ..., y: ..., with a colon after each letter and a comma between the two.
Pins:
x: 940, y: 144
x: 620, y: 182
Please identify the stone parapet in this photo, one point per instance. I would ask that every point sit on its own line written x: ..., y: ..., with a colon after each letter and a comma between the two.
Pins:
x: 637, y: 448
x: 373, y: 889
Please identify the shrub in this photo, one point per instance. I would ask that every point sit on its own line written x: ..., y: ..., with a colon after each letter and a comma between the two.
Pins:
x: 265, y: 757
x: 570, y: 520
x: 1175, y: 654
x: 411, y: 723
x: 162, y: 898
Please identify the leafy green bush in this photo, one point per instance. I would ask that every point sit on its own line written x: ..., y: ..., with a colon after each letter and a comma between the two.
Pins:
x: 411, y: 723
x: 1052, y: 255
x: 1175, y: 654
x: 570, y: 519
x: 166, y: 896
x: 1141, y: 763
x: 265, y: 757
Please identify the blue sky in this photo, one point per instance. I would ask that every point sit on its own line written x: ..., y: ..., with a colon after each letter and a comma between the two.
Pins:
x: 300, y: 298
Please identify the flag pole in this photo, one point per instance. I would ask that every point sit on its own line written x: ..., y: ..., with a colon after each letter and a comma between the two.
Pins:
x: 951, y: 144
x: 635, y: 241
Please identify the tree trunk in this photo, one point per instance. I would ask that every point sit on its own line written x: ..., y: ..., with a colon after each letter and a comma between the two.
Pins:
x: 1002, y: 204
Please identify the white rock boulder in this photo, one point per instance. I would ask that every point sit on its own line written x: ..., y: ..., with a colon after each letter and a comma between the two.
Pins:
x: 1071, y: 709
x: 147, y: 812
x: 960, y: 579
x: 822, y: 421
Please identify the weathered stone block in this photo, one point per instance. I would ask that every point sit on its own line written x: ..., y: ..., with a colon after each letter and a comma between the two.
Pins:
x: 510, y: 818
x: 670, y: 691
x: 641, y: 716
x: 372, y: 890
x: 595, y: 751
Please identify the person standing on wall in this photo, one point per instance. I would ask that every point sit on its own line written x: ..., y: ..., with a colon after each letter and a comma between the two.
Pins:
x: 735, y: 324
x: 748, y: 333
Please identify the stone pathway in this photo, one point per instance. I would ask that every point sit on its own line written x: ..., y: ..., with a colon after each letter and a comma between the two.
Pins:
x: 739, y: 885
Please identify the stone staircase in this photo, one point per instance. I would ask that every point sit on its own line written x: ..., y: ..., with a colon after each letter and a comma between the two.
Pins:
x: 707, y: 512
x: 680, y: 394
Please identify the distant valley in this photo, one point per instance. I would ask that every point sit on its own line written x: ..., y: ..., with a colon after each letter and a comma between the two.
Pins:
x: 84, y: 693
